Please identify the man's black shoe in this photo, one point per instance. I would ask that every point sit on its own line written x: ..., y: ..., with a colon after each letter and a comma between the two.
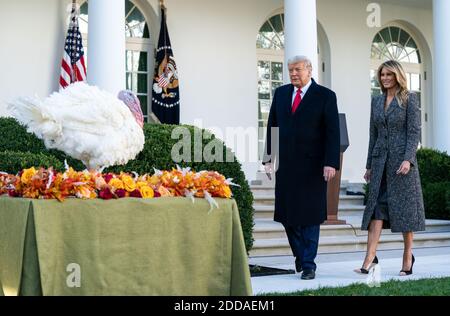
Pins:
x: 308, y: 275
x: 298, y: 265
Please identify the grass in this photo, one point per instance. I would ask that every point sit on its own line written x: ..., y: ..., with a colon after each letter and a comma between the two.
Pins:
x: 423, y: 287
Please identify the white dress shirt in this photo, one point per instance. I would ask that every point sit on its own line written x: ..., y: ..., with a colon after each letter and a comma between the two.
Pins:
x: 304, y: 89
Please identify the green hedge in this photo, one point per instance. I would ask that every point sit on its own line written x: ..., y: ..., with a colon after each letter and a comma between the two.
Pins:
x: 156, y: 154
x: 434, y: 167
x: 436, y: 197
x: 14, y: 161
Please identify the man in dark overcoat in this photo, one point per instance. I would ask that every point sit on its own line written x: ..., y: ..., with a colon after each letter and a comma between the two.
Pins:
x: 302, y: 146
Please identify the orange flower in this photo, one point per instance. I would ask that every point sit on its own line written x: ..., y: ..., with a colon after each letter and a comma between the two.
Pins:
x: 27, y: 175
x: 147, y: 192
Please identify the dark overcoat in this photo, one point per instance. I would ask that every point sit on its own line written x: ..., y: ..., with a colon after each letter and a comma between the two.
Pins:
x: 308, y: 141
x: 394, y: 137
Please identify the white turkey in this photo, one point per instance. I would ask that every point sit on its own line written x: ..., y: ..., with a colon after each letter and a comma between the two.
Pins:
x: 86, y: 123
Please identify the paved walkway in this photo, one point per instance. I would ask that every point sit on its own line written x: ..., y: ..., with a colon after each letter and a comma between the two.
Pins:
x: 337, y: 269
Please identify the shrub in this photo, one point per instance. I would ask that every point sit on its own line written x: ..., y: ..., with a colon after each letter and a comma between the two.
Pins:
x: 13, y: 161
x: 156, y: 154
x: 434, y: 168
x: 437, y: 200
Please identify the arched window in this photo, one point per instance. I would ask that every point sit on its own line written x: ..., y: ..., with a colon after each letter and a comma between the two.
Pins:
x: 139, y: 51
x: 394, y: 43
x: 271, y: 34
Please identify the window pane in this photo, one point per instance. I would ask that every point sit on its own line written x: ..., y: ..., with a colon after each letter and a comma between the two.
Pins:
x: 263, y: 70
x: 266, y: 28
x: 144, y: 106
x: 404, y: 37
x: 277, y: 71
x: 385, y: 35
x: 262, y: 42
x: 134, y: 82
x: 128, y: 6
x: 142, y: 61
x: 136, y: 56
x: 264, y: 106
x: 264, y: 89
x: 275, y: 85
x: 276, y: 23
x: 374, y: 79
x: 142, y: 83
x: 129, y: 60
x: 415, y: 82
x: 128, y: 81
x: 395, y: 32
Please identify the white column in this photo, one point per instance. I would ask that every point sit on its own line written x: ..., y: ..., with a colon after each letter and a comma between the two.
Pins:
x: 106, y: 44
x: 441, y: 82
x: 300, y: 32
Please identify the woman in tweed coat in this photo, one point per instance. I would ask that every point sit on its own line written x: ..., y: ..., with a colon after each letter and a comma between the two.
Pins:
x: 395, y: 194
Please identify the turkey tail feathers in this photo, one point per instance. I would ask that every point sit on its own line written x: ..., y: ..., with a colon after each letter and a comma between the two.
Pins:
x: 30, y: 111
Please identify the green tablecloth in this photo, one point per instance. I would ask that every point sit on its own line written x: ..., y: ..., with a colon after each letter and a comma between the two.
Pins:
x: 162, y: 246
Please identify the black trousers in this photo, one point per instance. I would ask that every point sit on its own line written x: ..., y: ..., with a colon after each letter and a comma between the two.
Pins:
x: 304, y: 241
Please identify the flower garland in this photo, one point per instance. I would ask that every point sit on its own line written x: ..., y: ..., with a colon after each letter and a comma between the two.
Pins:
x: 180, y: 182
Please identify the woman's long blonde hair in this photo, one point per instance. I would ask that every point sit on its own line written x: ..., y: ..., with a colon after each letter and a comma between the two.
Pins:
x: 400, y: 75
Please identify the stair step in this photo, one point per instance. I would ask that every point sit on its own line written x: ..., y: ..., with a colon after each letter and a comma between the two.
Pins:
x: 336, y: 244
x: 267, y: 210
x: 269, y: 199
x: 269, y: 229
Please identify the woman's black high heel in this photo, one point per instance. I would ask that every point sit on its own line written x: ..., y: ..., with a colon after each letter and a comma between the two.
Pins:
x: 410, y: 271
x: 366, y: 271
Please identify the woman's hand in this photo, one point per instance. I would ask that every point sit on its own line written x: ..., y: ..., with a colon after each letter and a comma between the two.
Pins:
x: 367, y: 175
x: 404, y: 168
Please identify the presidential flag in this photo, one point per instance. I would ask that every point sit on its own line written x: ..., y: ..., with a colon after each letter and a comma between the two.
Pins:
x: 73, y: 68
x: 165, y: 92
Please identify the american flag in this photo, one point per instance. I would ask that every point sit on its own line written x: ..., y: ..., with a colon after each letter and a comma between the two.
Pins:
x: 73, y: 67
x: 163, y: 81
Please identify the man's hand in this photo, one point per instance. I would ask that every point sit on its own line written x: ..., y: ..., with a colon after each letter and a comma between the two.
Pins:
x: 269, y: 170
x: 328, y: 173
x: 404, y: 168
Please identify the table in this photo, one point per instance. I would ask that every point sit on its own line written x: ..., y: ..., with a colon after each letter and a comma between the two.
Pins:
x: 130, y: 246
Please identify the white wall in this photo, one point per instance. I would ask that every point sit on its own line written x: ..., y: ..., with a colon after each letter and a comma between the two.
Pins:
x: 214, y: 46
x: 31, y: 46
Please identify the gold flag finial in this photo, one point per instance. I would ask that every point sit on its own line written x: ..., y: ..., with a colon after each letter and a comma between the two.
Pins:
x: 161, y: 3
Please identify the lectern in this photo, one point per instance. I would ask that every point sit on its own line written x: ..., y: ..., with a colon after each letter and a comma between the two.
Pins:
x: 334, y: 185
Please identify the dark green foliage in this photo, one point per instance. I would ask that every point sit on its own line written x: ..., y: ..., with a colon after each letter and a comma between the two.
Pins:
x: 13, y: 161
x: 156, y: 154
x: 434, y: 168
x: 437, y: 200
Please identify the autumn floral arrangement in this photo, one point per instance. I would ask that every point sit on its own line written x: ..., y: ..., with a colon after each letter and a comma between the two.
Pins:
x: 44, y: 183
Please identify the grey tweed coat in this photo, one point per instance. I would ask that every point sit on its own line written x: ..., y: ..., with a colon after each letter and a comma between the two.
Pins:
x: 394, y: 137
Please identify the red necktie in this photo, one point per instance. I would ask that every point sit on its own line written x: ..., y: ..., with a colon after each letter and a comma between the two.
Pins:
x: 297, y: 100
